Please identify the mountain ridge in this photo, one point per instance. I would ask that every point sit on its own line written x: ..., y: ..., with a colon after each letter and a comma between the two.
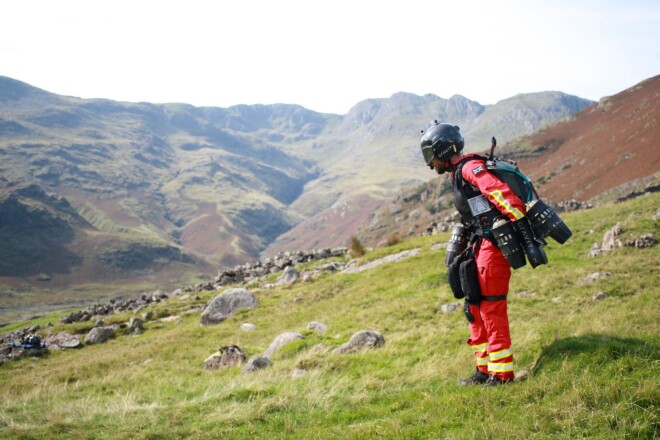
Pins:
x: 224, y: 185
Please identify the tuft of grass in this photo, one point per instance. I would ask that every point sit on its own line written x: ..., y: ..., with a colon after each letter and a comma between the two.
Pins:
x: 356, y: 248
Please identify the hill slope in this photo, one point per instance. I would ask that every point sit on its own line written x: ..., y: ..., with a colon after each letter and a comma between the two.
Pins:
x: 602, y: 147
x: 602, y: 152
x: 587, y: 368
x: 220, y: 184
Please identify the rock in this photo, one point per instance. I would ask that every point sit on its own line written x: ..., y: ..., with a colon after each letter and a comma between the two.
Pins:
x: 572, y: 205
x: 388, y: 259
x: 19, y: 352
x: 298, y: 372
x: 525, y: 294
x: 135, y: 325
x: 362, y: 340
x: 170, y: 318
x: 43, y: 277
x: 645, y: 241
x: 229, y: 356
x: 656, y: 216
x: 610, y: 239
x: 226, y: 304
x: 446, y: 308
x: 64, y: 340
x: 289, y: 276
x: 599, y: 295
x: 594, y: 276
x: 98, y: 335
x: 556, y: 299
x: 318, y: 327
x: 280, y: 341
x: 596, y: 250
x: 248, y: 327
x: 255, y: 364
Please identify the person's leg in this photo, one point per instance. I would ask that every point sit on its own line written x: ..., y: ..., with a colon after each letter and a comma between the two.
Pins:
x: 494, y: 273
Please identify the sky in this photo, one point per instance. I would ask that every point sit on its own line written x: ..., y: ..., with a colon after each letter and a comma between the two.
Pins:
x: 327, y: 56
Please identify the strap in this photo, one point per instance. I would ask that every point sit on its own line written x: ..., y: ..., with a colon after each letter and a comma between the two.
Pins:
x: 493, y: 298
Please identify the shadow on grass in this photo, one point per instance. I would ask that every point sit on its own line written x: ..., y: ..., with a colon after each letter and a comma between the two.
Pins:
x: 596, y: 349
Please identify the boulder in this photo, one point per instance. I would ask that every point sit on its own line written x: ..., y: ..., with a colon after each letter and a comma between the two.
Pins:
x: 450, y: 307
x: 593, y: 277
x: 280, y: 341
x: 599, y: 296
x: 64, y: 340
x: 98, y: 335
x: 318, y: 327
x: 289, y: 276
x: 20, y: 352
x: 362, y: 340
x: 248, y: 327
x: 226, y: 304
x: 229, y: 356
x: 255, y: 364
x: 135, y: 325
x: 644, y: 241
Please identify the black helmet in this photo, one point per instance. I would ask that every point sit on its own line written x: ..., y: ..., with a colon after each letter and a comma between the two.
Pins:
x: 441, y: 140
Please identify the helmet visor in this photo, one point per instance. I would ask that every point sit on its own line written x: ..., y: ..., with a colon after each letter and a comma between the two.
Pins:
x: 427, y: 152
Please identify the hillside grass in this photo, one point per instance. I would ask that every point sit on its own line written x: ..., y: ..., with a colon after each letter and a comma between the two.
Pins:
x: 586, y: 369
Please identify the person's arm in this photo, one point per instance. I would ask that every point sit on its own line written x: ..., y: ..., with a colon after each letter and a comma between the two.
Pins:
x: 497, y: 192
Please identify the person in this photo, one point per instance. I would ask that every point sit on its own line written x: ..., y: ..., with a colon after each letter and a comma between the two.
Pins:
x: 480, y: 198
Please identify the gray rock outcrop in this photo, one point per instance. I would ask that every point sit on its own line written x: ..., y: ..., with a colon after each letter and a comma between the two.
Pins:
x: 362, y: 340
x: 226, y: 304
x: 610, y: 241
x: 289, y: 276
x: 319, y: 327
x: 229, y: 356
x: 135, y: 325
x: 593, y: 277
x: 248, y: 327
x: 388, y: 259
x: 98, y: 335
x: 450, y: 307
x: 64, y: 340
x: 255, y: 364
x: 644, y: 241
x: 280, y: 341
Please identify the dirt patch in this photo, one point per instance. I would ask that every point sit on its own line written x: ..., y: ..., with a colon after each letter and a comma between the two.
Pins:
x: 203, y: 235
x: 330, y: 228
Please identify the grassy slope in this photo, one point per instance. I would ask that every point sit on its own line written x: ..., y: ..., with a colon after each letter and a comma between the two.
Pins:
x: 592, y: 366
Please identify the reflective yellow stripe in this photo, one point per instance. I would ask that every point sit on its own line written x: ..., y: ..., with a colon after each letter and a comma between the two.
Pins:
x: 480, y: 348
x: 500, y: 354
x: 500, y: 368
x: 497, y: 195
x: 482, y: 361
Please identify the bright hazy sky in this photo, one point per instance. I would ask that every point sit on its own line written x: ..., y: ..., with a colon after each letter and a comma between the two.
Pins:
x: 327, y: 55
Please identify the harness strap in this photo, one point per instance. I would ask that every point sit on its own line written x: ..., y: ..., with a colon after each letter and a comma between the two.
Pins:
x: 493, y: 298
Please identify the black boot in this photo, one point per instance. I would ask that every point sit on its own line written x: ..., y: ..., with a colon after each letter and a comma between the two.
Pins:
x: 494, y: 381
x: 477, y: 378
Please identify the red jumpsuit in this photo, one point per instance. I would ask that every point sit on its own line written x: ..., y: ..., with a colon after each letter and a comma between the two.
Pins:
x: 489, y: 333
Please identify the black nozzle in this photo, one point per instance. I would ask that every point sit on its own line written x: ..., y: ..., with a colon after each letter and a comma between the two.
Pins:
x: 548, y: 221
